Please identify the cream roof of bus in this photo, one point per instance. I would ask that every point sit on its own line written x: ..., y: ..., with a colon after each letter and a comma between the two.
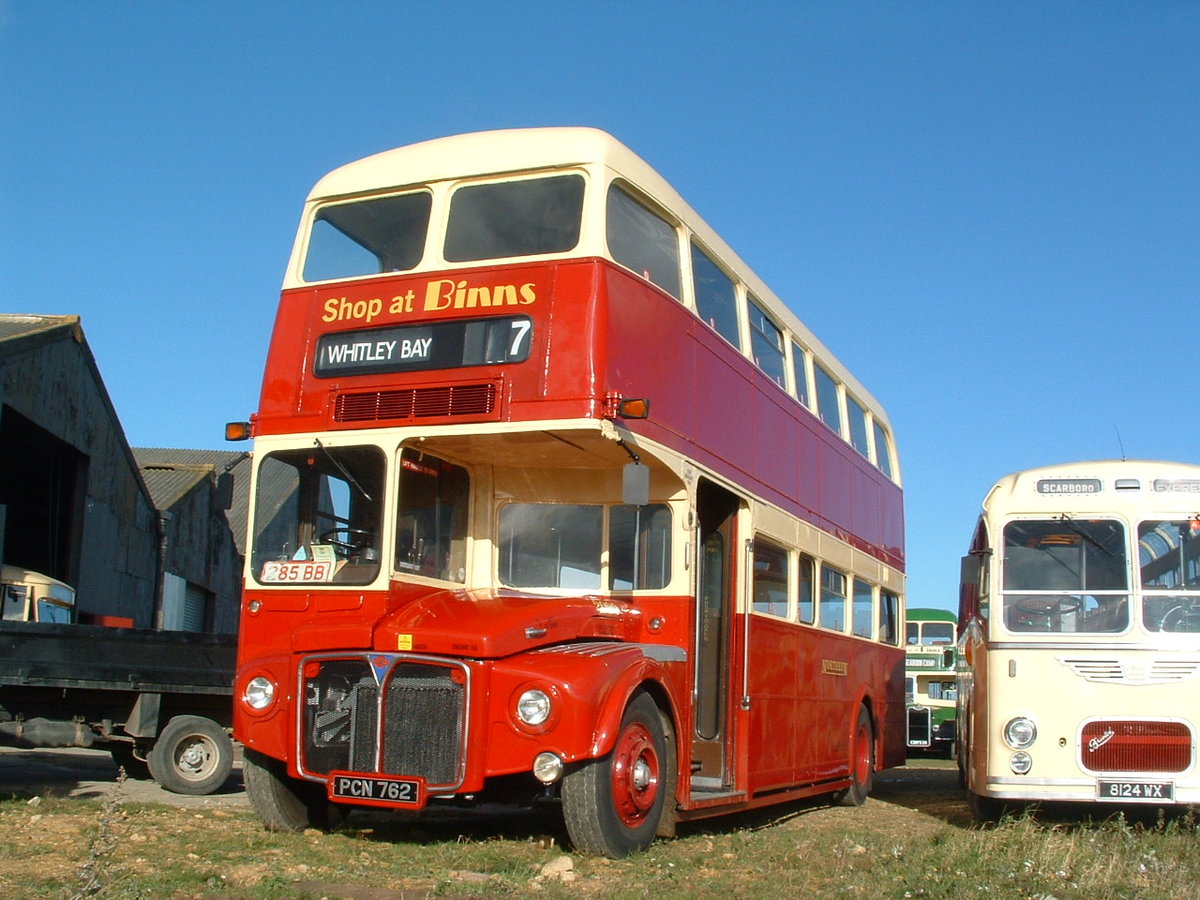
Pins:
x: 1018, y: 491
x: 523, y: 149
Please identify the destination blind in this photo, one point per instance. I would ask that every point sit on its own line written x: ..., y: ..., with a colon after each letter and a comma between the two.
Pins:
x: 412, y: 348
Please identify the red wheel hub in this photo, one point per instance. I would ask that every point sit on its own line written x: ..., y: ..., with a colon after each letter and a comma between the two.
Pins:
x: 635, y: 774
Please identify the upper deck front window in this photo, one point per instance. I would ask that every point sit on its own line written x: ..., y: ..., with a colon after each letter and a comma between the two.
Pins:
x: 643, y: 241
x: 1066, y: 575
x: 514, y: 218
x: 367, y: 237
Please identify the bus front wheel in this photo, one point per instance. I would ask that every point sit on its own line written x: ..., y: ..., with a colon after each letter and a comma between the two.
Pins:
x: 613, y: 805
x: 282, y: 802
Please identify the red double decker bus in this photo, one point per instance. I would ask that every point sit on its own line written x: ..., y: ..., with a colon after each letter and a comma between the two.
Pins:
x: 556, y: 502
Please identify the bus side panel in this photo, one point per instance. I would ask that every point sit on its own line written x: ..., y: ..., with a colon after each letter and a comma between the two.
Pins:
x: 702, y: 392
x: 804, y: 703
x: 777, y: 745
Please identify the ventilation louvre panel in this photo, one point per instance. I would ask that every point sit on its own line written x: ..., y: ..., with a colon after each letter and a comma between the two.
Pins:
x: 409, y: 404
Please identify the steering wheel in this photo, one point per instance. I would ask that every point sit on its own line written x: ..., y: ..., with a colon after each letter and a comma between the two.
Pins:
x: 1180, y: 618
x: 355, y: 540
x: 1050, y: 607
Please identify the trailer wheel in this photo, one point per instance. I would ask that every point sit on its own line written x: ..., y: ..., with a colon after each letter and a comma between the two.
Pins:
x: 612, y: 806
x: 862, y: 763
x: 282, y: 802
x: 193, y: 755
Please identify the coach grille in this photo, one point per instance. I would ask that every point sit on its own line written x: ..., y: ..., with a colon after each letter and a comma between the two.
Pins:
x: 423, y: 718
x: 1110, y: 745
x: 441, y: 401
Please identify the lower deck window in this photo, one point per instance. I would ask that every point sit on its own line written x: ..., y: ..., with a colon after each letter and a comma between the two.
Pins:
x: 562, y: 545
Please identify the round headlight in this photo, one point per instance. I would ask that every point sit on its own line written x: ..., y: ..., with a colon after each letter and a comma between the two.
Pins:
x: 533, y: 707
x: 259, y: 693
x: 1020, y: 733
x: 1021, y: 762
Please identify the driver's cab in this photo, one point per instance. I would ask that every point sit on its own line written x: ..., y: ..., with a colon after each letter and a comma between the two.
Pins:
x: 318, y: 514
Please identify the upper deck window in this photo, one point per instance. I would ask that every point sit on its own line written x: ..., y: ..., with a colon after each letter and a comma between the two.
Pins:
x: 367, y: 237
x: 800, y: 373
x: 766, y: 343
x: 883, y: 452
x: 828, y: 405
x: 858, y: 426
x: 514, y: 218
x: 643, y: 241
x: 716, y: 298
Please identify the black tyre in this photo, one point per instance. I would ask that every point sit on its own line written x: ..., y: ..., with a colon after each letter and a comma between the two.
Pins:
x: 282, y: 802
x: 193, y: 755
x: 986, y: 810
x: 614, y: 805
x: 862, y: 762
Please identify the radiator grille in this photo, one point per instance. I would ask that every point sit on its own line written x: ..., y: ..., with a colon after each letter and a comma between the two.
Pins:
x: 423, y: 700
x: 456, y: 400
x: 919, y: 727
x: 422, y: 709
x: 1110, y: 745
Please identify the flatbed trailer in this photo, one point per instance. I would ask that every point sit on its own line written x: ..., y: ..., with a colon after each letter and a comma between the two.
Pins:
x: 159, y: 701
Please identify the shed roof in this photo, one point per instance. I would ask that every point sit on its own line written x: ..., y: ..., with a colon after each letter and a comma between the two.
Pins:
x: 170, y: 474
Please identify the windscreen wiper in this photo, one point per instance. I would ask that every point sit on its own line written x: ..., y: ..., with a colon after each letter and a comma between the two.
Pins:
x: 345, y: 472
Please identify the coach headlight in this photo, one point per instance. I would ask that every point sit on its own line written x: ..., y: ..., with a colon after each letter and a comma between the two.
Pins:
x: 534, y: 707
x: 259, y: 693
x: 1021, y: 763
x: 1020, y: 733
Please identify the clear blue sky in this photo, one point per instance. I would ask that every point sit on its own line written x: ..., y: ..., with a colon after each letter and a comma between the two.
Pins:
x: 990, y: 211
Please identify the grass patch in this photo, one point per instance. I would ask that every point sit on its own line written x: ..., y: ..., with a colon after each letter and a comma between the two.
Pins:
x: 82, y: 849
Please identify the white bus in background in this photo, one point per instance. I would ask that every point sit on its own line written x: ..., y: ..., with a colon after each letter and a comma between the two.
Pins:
x: 1079, y: 642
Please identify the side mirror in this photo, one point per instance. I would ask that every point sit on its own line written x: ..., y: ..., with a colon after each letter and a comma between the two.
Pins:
x: 635, y: 484
x: 969, y: 570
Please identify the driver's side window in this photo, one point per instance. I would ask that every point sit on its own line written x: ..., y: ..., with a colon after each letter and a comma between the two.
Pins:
x: 317, y: 516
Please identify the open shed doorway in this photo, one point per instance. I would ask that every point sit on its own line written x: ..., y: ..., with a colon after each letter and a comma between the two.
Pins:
x: 43, y: 487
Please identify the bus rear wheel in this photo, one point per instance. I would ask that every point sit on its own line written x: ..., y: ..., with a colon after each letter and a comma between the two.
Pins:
x: 862, y: 762
x: 613, y: 805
